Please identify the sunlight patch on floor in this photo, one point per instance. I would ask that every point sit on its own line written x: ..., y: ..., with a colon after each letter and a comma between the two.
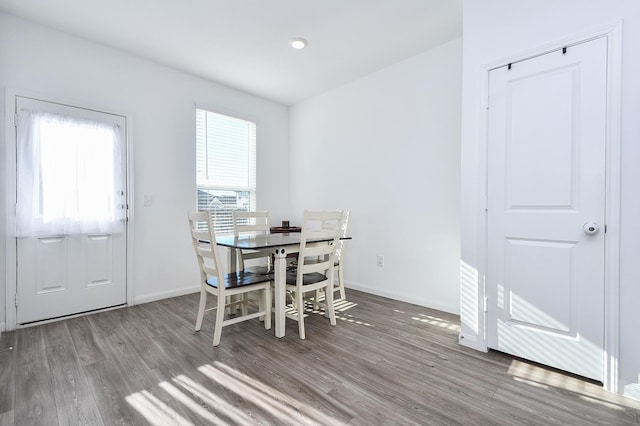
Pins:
x: 280, y: 405
x: 540, y: 377
x: 548, y: 382
x: 531, y: 383
x: 155, y: 411
x: 537, y: 374
x: 352, y: 319
x: 196, y: 407
x: 606, y: 404
x: 439, y: 322
x: 339, y: 306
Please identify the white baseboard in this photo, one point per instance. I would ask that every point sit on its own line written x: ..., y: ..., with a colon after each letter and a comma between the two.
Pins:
x: 146, y: 298
x: 349, y: 285
x: 427, y: 303
x: 632, y: 391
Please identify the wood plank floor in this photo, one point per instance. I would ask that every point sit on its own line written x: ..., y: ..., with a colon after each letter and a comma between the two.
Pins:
x: 385, y: 363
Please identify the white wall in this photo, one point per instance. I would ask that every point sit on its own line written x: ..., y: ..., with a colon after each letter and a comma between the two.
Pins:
x: 497, y: 29
x: 161, y: 103
x: 387, y: 147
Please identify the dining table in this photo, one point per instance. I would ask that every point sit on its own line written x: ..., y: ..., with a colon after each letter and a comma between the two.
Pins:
x: 280, y: 245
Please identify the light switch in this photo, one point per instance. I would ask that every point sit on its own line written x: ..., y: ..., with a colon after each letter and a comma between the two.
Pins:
x: 148, y: 200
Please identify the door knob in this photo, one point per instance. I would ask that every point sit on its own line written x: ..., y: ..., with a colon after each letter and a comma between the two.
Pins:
x: 590, y: 228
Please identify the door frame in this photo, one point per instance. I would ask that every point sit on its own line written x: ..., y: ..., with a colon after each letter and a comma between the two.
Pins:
x: 10, y: 197
x: 613, y: 35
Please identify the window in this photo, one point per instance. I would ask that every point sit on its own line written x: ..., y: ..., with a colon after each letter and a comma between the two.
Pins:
x: 225, y: 166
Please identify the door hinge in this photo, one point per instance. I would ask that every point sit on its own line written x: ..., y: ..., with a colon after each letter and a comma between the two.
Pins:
x: 15, y: 120
x: 486, y: 304
x: 16, y: 300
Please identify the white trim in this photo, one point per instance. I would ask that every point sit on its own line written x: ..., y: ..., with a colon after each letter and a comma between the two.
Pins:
x: 607, y: 30
x: 9, y: 197
x: 218, y: 109
x: 632, y: 391
x: 166, y: 294
x: 9, y: 204
x: 130, y: 214
x: 471, y: 340
x: 66, y: 317
x: 613, y: 33
x: 613, y: 209
x: 428, y: 303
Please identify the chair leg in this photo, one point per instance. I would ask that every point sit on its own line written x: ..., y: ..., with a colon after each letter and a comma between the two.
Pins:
x: 343, y: 296
x: 201, y: 306
x: 328, y: 300
x: 316, y: 298
x: 244, y: 304
x: 300, y: 308
x: 217, y: 331
x: 262, y: 307
x: 267, y: 307
x: 228, y: 304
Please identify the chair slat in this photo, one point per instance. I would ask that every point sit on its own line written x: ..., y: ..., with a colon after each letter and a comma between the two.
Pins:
x: 251, y: 223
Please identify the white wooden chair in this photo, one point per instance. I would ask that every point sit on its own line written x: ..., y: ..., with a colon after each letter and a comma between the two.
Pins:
x: 252, y: 223
x: 216, y: 282
x: 316, y: 263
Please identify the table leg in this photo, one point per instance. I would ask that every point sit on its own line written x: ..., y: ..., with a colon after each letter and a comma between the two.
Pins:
x: 233, y: 260
x: 280, y: 293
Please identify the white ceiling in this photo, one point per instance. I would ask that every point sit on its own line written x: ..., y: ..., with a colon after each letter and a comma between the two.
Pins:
x: 244, y: 43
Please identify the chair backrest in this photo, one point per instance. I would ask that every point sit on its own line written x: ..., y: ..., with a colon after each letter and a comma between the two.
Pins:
x: 344, y: 229
x: 319, y: 257
x: 203, y: 238
x: 250, y: 223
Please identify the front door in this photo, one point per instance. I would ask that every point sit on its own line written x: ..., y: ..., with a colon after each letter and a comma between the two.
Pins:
x: 546, y: 208
x: 70, y: 212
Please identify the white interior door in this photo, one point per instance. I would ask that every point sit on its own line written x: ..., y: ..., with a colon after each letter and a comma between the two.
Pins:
x: 67, y: 272
x: 546, y: 180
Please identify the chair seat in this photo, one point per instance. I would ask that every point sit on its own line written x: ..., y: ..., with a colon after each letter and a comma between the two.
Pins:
x: 239, y: 279
x: 310, y: 261
x: 312, y: 278
x: 258, y: 270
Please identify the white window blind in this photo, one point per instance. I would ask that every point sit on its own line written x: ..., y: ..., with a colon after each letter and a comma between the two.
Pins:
x: 225, y: 166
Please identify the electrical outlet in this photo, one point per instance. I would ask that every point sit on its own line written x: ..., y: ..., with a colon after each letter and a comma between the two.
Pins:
x: 380, y: 260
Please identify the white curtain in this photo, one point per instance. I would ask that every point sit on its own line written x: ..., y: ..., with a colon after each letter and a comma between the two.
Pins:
x: 70, y: 177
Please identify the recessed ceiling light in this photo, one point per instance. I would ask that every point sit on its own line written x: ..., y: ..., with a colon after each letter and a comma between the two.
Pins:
x: 298, y: 43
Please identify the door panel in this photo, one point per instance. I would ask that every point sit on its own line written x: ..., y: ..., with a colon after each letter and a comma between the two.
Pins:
x: 528, y: 143
x: 51, y: 270
x: 537, y: 269
x: 546, y: 168
x: 59, y: 275
x: 99, y: 260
